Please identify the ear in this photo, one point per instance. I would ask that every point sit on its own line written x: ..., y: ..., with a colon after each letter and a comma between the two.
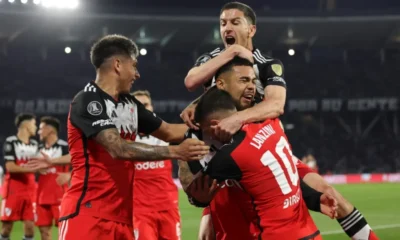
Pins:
x: 214, y: 122
x: 117, y: 64
x: 220, y: 83
x: 252, y: 30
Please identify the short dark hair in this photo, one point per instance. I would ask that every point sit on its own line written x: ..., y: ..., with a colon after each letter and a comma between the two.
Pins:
x: 212, y: 101
x: 246, y: 9
x: 23, y: 117
x: 236, y: 61
x: 52, y: 121
x: 111, y: 45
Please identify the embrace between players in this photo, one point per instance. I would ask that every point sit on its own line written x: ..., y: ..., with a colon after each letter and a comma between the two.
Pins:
x: 235, y: 161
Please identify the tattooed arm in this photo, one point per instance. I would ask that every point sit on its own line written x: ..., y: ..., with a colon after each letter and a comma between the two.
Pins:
x: 184, y: 174
x: 122, y: 149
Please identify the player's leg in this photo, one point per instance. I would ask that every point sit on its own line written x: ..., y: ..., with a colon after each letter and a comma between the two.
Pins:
x: 88, y: 227
x: 10, y: 212
x: 44, y: 220
x: 169, y: 225
x: 28, y: 211
x: 349, y: 218
x: 206, y: 231
x: 145, y: 226
x: 6, y: 228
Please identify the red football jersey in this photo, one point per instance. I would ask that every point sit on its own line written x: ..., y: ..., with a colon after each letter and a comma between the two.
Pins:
x: 154, y: 188
x: 48, y: 191
x: 260, y: 159
x: 19, y: 184
x: 102, y: 186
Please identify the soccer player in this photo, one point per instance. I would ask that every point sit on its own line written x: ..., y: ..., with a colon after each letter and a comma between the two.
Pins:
x: 260, y: 159
x: 237, y: 29
x: 155, y: 195
x: 235, y: 77
x: 19, y: 186
x: 49, y: 193
x: 103, y: 122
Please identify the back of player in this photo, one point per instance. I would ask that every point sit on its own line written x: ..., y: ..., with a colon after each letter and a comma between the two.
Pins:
x: 260, y: 158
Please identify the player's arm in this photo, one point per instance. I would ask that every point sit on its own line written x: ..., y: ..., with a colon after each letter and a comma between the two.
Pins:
x: 205, y: 69
x: 311, y: 197
x: 121, y: 149
x: 206, y: 66
x: 184, y: 174
x: 12, y: 167
x: 100, y: 127
x: 9, y: 157
x: 274, y: 95
x: 63, y: 160
x: 172, y: 133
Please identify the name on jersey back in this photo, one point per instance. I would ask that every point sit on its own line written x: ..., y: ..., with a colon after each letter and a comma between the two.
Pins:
x: 262, y: 136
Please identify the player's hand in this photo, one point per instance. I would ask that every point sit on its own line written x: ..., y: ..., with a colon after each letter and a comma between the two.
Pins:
x: 187, y: 116
x: 242, y: 52
x: 36, y: 164
x: 191, y: 149
x: 63, y: 178
x: 226, y: 128
x: 202, y: 188
x: 329, y: 205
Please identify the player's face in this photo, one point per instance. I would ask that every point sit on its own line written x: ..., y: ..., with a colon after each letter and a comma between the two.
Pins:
x: 240, y: 84
x: 31, y: 127
x: 146, y: 101
x: 235, y: 28
x: 128, y: 73
x: 44, y: 131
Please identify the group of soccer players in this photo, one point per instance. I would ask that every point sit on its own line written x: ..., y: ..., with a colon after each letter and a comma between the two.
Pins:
x: 235, y: 160
x: 22, y: 198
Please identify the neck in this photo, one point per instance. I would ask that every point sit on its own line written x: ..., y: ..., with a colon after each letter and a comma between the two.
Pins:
x: 23, y: 135
x: 250, y: 45
x: 51, y: 140
x: 107, y: 83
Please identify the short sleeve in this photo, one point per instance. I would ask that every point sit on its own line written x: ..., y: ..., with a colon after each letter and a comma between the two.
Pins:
x: 272, y: 73
x: 64, y: 147
x: 202, y: 59
x: 222, y: 167
x: 88, y: 113
x: 148, y: 121
x: 8, y: 150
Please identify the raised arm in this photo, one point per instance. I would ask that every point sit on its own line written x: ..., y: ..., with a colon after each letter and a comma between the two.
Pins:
x: 206, y: 66
x: 271, y: 107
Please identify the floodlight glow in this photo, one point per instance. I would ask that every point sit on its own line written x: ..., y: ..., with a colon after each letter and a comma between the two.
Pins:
x: 36, y: 2
x: 24, y: 1
x: 143, y: 51
x: 47, y: 3
x: 11, y: 1
x: 72, y: 4
x: 67, y: 50
x: 291, y: 52
x: 61, y: 4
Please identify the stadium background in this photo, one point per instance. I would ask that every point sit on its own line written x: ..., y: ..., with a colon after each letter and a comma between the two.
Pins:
x: 343, y: 79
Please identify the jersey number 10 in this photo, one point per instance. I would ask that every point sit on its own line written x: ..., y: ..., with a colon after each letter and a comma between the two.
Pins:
x: 269, y: 160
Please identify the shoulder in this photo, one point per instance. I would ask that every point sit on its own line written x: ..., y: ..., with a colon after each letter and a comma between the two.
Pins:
x: 263, y: 58
x: 87, y: 94
x: 208, y: 55
x: 216, y: 52
x: 62, y: 142
x: 34, y: 142
x: 11, y: 139
x: 196, y: 134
